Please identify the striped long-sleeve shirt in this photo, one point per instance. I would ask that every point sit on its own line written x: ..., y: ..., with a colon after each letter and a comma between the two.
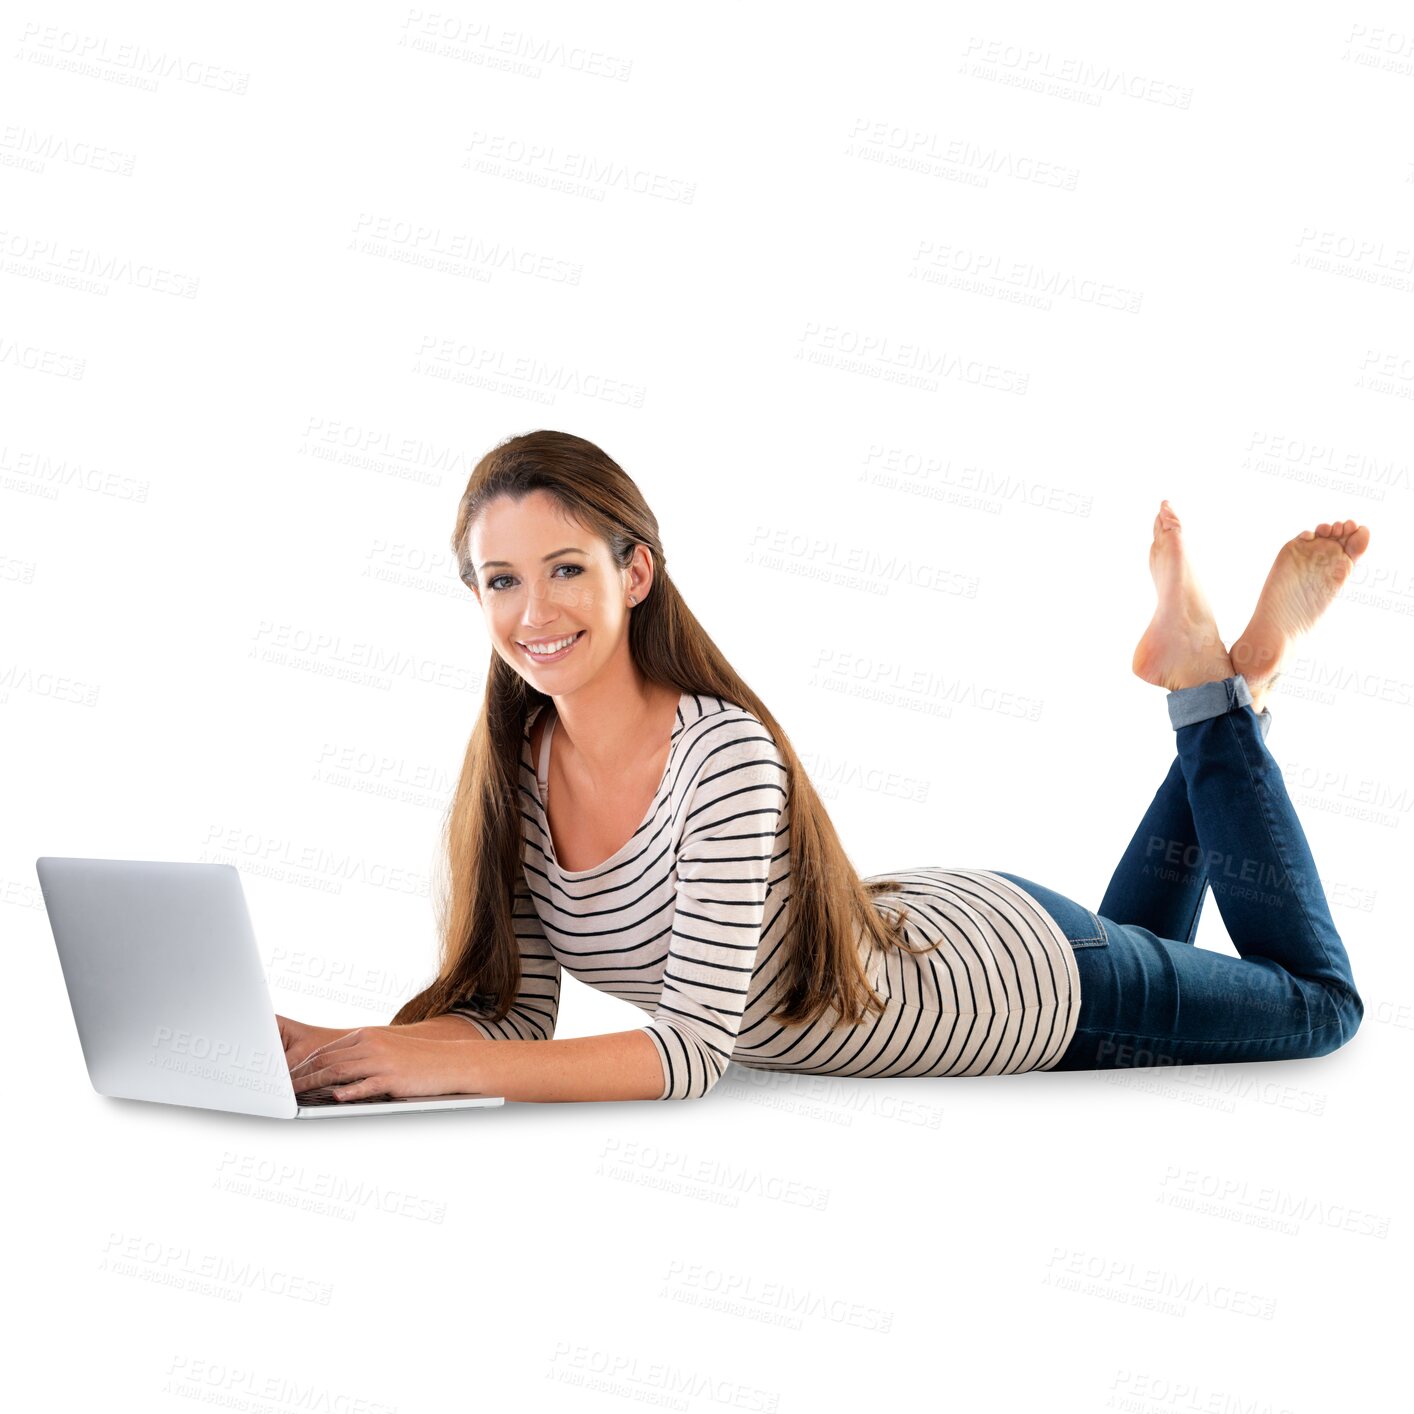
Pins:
x: 687, y: 921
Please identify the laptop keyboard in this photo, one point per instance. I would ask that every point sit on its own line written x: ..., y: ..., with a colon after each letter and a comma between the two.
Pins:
x: 324, y: 1095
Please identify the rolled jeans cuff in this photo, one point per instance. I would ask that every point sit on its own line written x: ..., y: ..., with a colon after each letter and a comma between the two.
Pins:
x: 1209, y: 699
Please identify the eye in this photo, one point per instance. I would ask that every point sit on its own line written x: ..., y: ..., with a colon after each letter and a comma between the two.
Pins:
x: 493, y: 583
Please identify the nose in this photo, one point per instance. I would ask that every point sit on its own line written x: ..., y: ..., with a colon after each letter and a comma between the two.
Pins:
x: 540, y: 587
x: 540, y: 606
x: 548, y: 596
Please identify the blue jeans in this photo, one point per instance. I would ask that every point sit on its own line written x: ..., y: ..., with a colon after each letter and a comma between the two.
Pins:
x: 1221, y: 819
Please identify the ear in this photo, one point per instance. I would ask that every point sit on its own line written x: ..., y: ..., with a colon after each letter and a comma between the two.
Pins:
x: 639, y: 578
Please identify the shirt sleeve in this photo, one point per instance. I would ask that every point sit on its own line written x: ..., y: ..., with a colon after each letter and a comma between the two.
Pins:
x: 537, y: 1005
x: 733, y: 817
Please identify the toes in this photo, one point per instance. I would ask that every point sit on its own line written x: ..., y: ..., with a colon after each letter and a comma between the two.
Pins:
x: 1358, y: 542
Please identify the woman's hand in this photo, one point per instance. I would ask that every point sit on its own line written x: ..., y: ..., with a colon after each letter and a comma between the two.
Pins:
x: 376, y: 1061
x: 300, y: 1040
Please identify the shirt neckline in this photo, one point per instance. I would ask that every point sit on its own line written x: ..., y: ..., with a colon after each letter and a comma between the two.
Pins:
x: 544, y: 818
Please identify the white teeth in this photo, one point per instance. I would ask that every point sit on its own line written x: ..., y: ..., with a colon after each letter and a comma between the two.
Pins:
x: 544, y: 649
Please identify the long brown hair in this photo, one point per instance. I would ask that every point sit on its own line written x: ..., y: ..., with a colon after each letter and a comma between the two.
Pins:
x: 829, y: 902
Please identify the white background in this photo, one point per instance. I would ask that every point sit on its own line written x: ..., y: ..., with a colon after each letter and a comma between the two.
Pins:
x: 905, y: 321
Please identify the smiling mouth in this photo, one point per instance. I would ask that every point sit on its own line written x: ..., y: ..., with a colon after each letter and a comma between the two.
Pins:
x: 550, y: 657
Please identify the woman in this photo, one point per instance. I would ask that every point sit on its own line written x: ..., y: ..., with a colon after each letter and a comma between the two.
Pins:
x: 630, y: 810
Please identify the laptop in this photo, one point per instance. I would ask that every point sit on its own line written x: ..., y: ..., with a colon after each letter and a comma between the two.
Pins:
x: 170, y: 997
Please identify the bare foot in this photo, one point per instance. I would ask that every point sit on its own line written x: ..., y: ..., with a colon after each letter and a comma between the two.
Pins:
x: 1181, y: 646
x: 1307, y: 575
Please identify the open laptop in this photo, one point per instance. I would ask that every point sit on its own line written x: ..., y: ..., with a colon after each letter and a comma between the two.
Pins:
x: 169, y: 994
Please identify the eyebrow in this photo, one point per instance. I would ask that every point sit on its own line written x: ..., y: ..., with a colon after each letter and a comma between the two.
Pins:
x: 568, y: 550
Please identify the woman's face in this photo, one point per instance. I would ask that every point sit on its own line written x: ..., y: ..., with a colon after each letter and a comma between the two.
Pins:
x: 544, y: 579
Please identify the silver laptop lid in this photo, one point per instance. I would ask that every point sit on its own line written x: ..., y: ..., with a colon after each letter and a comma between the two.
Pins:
x: 166, y: 983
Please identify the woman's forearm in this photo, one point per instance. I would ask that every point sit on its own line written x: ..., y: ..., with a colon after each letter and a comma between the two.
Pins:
x: 448, y: 1027
x: 621, y: 1066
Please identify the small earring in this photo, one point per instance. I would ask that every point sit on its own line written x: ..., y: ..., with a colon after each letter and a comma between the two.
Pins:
x: 633, y: 599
